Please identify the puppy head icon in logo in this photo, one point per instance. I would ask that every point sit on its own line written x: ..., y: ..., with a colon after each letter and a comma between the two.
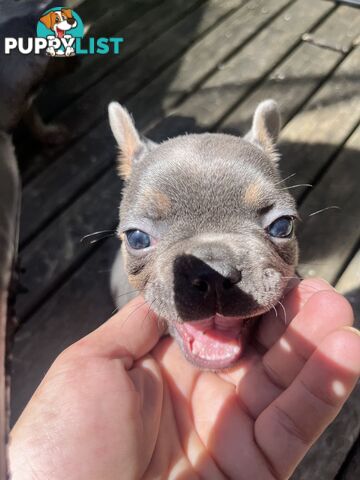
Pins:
x: 61, y: 27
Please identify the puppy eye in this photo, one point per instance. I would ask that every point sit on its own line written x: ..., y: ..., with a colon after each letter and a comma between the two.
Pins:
x: 281, y: 228
x: 137, y: 239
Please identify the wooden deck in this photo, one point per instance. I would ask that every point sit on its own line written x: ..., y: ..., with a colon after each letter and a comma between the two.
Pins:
x: 193, y: 65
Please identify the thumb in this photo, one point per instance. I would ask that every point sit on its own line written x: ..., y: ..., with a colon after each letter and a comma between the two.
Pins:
x: 131, y: 333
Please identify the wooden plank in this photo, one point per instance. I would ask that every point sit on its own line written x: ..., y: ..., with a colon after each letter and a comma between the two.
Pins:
x: 351, y: 468
x: 292, y: 82
x: 327, y: 239
x: 139, y: 70
x: 118, y: 18
x: 93, y: 10
x: 340, y: 33
x: 349, y: 283
x: 112, y: 16
x: 188, y: 77
x: 135, y: 73
x: 150, y: 60
x: 58, y: 249
x: 236, y: 77
x: 138, y: 34
x: 313, y: 136
x: 328, y: 453
x: 92, y: 152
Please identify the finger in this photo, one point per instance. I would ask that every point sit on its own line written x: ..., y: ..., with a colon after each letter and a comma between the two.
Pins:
x: 147, y: 379
x: 254, y: 387
x: 168, y: 455
x: 181, y: 378
x: 300, y: 414
x: 226, y: 430
x: 274, y: 323
x: 324, y: 312
x: 130, y: 334
x: 174, y: 365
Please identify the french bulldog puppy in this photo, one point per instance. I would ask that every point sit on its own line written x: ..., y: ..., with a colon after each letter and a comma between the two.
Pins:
x: 207, y: 232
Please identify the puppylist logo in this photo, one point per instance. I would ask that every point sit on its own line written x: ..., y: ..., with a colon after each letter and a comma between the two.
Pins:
x: 59, y: 33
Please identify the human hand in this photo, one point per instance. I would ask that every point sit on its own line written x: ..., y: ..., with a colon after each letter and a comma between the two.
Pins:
x: 107, y: 409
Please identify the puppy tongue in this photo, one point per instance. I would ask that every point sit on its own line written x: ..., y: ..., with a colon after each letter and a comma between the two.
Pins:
x: 60, y: 33
x: 212, y: 344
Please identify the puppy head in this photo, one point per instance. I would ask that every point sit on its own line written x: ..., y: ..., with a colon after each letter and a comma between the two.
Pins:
x: 208, y: 231
x: 59, y: 21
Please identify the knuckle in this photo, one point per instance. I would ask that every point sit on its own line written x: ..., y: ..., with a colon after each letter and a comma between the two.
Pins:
x: 294, y: 430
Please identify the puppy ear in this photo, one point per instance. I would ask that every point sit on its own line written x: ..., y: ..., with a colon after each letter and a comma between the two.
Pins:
x: 67, y: 12
x: 48, y: 20
x: 266, y: 128
x: 132, y: 148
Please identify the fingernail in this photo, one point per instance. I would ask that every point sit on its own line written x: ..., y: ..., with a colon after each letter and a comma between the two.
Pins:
x: 353, y: 330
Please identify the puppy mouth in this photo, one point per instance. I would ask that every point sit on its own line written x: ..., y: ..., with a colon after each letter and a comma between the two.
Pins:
x: 60, y: 32
x: 214, y: 343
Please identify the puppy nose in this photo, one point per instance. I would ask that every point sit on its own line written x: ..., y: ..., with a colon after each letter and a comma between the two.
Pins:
x: 216, y: 279
x: 71, y: 21
x: 204, y: 286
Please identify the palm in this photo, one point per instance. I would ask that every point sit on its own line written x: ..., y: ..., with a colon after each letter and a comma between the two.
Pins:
x: 107, y: 408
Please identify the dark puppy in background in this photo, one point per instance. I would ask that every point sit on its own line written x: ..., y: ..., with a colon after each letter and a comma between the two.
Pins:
x: 208, y: 232
x: 22, y: 76
x: 21, y: 80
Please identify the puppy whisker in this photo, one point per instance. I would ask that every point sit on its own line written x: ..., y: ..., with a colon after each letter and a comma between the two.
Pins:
x: 104, y: 233
x: 296, y: 186
x: 332, y: 207
x: 128, y: 293
x: 276, y: 313
x: 148, y: 312
x: 284, y: 179
x: 284, y: 310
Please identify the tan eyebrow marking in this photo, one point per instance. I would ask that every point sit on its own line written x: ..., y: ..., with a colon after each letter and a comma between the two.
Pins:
x: 159, y: 202
x: 253, y: 194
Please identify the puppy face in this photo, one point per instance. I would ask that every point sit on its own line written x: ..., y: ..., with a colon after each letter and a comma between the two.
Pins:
x: 59, y: 21
x: 208, y: 232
